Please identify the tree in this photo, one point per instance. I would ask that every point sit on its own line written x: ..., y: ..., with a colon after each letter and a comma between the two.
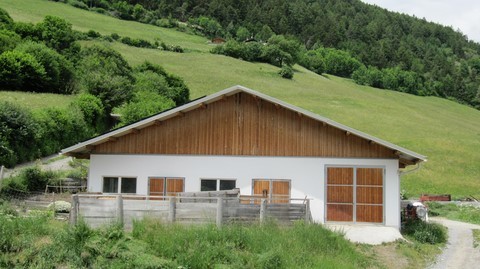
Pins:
x: 5, y: 20
x: 144, y: 104
x: 8, y: 40
x: 59, y: 72
x: 21, y: 71
x: 18, y: 135
x: 104, y: 73
x: 242, y: 34
x: 56, y: 33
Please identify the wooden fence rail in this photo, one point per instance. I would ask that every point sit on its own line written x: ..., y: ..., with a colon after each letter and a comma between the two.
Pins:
x: 99, y: 210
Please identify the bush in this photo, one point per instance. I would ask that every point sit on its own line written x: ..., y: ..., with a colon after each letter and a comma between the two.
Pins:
x: 57, y: 33
x: 423, y: 232
x: 105, y: 74
x: 61, y: 128
x: 18, y: 135
x: 5, y: 20
x: 92, y: 110
x: 59, y: 72
x: 144, y: 104
x: 286, y: 72
x: 36, y: 179
x: 78, y: 4
x: 21, y: 71
x: 8, y: 40
x: 177, y: 90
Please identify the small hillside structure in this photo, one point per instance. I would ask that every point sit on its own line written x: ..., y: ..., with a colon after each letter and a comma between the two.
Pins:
x: 242, y: 139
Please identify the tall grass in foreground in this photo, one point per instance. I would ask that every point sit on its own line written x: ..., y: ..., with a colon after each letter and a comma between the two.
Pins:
x: 40, y: 242
x: 257, y: 246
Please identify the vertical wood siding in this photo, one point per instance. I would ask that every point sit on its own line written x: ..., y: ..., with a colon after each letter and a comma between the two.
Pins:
x: 243, y: 125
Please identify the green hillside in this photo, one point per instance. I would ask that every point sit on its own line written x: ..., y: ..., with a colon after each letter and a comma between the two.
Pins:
x: 36, y: 101
x: 447, y: 132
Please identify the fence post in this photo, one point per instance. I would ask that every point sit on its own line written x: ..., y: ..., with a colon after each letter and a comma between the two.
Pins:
x: 120, y: 209
x: 172, y: 208
x: 1, y: 175
x: 74, y: 212
x: 263, y: 204
x: 219, y: 211
x: 53, y: 202
x: 307, y: 212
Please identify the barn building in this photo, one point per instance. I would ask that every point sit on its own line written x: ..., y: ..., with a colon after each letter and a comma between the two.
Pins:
x: 241, y: 138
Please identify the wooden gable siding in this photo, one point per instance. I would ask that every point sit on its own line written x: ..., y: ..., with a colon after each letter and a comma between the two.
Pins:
x: 243, y: 125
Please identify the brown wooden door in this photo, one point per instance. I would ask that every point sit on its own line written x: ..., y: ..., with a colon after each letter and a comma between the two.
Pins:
x: 280, y: 192
x: 356, y: 198
x: 339, y: 194
x: 276, y: 190
x: 174, y: 186
x: 156, y: 187
x: 369, y: 196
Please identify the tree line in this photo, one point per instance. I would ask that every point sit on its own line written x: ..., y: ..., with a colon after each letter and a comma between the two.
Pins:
x: 41, y: 58
x: 395, y: 51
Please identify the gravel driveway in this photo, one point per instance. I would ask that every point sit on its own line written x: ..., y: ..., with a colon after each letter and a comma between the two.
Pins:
x: 459, y: 252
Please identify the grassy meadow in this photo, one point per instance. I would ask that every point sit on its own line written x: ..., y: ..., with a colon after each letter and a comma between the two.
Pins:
x: 445, y: 131
x: 35, y: 101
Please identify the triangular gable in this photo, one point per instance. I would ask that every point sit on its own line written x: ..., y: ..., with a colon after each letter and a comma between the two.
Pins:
x: 240, y: 121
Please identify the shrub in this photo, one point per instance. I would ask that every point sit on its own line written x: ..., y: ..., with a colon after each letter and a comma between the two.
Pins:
x: 93, y: 34
x: 144, y: 104
x: 425, y: 232
x: 59, y: 72
x: 18, y: 135
x: 286, y: 72
x: 78, y: 4
x: 5, y: 19
x: 177, y: 90
x: 36, y: 179
x: 21, y: 71
x: 92, y: 110
x: 106, y: 74
x: 61, y: 128
x: 8, y: 40
x: 56, y: 33
x: 27, y: 30
x: 60, y: 206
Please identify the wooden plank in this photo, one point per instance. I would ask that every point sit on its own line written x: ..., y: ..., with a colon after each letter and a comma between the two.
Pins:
x: 243, y: 125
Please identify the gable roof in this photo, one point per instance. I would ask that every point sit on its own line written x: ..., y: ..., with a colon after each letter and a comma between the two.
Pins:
x: 406, y: 156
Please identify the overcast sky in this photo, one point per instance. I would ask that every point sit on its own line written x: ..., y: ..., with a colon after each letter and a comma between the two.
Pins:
x: 459, y: 14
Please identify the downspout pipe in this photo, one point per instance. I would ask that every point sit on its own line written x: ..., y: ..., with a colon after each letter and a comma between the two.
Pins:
x: 417, y: 167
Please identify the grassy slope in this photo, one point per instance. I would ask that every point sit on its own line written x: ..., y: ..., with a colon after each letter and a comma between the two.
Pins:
x: 447, y: 132
x: 36, y: 101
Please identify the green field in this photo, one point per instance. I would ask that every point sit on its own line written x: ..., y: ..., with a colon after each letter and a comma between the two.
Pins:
x: 447, y: 132
x: 34, y: 101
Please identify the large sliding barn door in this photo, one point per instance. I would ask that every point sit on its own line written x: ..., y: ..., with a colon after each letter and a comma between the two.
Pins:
x: 276, y: 190
x: 354, y: 194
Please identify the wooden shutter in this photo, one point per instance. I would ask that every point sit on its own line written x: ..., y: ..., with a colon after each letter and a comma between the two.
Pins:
x: 280, y: 191
x: 369, y: 202
x: 174, y: 186
x: 339, y: 194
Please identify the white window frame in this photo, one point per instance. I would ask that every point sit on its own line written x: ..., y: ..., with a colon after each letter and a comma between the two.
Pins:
x: 119, y: 185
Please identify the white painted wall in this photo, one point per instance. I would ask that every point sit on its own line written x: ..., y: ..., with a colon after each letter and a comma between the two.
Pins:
x: 306, y: 174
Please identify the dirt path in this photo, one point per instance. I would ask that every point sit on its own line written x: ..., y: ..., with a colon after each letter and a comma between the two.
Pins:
x: 459, y: 252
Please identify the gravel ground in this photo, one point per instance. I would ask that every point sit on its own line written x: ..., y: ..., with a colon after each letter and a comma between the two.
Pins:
x: 44, y: 163
x: 459, y: 252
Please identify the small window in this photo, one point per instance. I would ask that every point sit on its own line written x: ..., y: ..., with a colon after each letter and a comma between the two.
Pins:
x: 126, y: 184
x: 217, y: 184
x: 110, y: 184
x: 129, y: 185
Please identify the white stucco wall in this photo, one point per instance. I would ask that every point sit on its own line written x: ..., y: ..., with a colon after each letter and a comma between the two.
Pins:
x: 306, y: 174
